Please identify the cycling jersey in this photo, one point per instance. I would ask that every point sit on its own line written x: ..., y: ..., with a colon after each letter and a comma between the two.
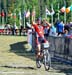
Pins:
x: 39, y: 30
x: 39, y: 33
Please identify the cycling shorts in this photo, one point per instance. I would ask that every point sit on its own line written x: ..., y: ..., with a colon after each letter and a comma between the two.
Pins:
x: 40, y: 40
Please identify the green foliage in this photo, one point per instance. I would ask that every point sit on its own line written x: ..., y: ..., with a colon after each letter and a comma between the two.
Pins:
x: 11, y: 6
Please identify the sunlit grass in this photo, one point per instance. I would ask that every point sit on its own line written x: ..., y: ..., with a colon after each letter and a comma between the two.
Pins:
x: 10, y: 57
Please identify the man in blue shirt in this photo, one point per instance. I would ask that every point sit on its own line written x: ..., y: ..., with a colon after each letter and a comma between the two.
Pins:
x: 60, y: 28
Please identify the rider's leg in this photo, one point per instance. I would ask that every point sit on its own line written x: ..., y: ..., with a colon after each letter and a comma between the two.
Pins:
x: 39, y: 41
x: 38, y: 59
x: 38, y: 47
x: 38, y: 51
x: 43, y: 41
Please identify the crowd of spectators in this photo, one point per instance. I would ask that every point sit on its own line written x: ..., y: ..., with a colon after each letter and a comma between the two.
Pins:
x: 12, y: 30
x: 58, y: 29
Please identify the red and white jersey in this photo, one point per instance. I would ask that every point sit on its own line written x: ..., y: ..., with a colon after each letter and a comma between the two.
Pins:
x: 39, y: 30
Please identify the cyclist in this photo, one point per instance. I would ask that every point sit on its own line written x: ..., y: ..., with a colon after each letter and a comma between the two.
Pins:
x: 39, y: 38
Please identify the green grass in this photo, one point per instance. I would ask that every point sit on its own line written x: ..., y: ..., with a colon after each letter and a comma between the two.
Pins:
x: 12, y: 52
x: 14, y: 58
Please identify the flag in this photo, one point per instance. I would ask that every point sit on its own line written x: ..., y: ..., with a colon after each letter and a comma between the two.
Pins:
x: 71, y: 7
x: 63, y: 9
x: 24, y: 14
x: 14, y: 15
x: 47, y: 12
x: 2, y: 14
x: 52, y: 12
x: 27, y: 14
x: 33, y: 12
x: 68, y: 10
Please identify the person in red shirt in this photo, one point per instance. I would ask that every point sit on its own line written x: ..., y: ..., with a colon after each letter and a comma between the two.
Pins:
x: 39, y: 36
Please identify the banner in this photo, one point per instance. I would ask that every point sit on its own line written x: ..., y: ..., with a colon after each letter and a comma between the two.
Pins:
x: 50, y: 13
x: 14, y: 15
x: 71, y: 7
x: 33, y: 12
x: 63, y: 9
x: 27, y: 14
x: 47, y: 12
x: 68, y: 10
x: 2, y: 14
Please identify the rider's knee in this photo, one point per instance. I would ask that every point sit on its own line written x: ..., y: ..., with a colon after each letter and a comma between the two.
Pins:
x: 38, y: 47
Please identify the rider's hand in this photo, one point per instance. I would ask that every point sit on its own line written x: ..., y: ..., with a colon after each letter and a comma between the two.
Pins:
x: 33, y: 23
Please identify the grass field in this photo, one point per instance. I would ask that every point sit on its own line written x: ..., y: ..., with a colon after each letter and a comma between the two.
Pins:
x: 15, y: 60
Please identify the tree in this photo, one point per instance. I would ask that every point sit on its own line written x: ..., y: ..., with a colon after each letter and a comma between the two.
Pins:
x: 10, y: 6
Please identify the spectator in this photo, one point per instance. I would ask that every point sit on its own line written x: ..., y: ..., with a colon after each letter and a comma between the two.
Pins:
x: 7, y: 28
x: 60, y: 28
x: 12, y: 29
x: 29, y: 33
x: 53, y: 31
x: 46, y: 27
x: 15, y: 29
x: 20, y: 30
x: 67, y: 27
x: 66, y: 34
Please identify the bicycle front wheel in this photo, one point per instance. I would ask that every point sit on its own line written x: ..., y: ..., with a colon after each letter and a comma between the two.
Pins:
x: 47, y: 60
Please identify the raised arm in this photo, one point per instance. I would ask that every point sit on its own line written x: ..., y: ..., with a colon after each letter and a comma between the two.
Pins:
x: 48, y: 23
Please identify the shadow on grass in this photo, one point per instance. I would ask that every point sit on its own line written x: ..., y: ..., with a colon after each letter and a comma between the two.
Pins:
x: 62, y: 67
x: 67, y: 71
x: 19, y: 67
x: 20, y: 49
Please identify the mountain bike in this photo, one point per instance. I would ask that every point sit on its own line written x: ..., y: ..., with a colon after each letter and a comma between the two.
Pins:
x: 46, y: 59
